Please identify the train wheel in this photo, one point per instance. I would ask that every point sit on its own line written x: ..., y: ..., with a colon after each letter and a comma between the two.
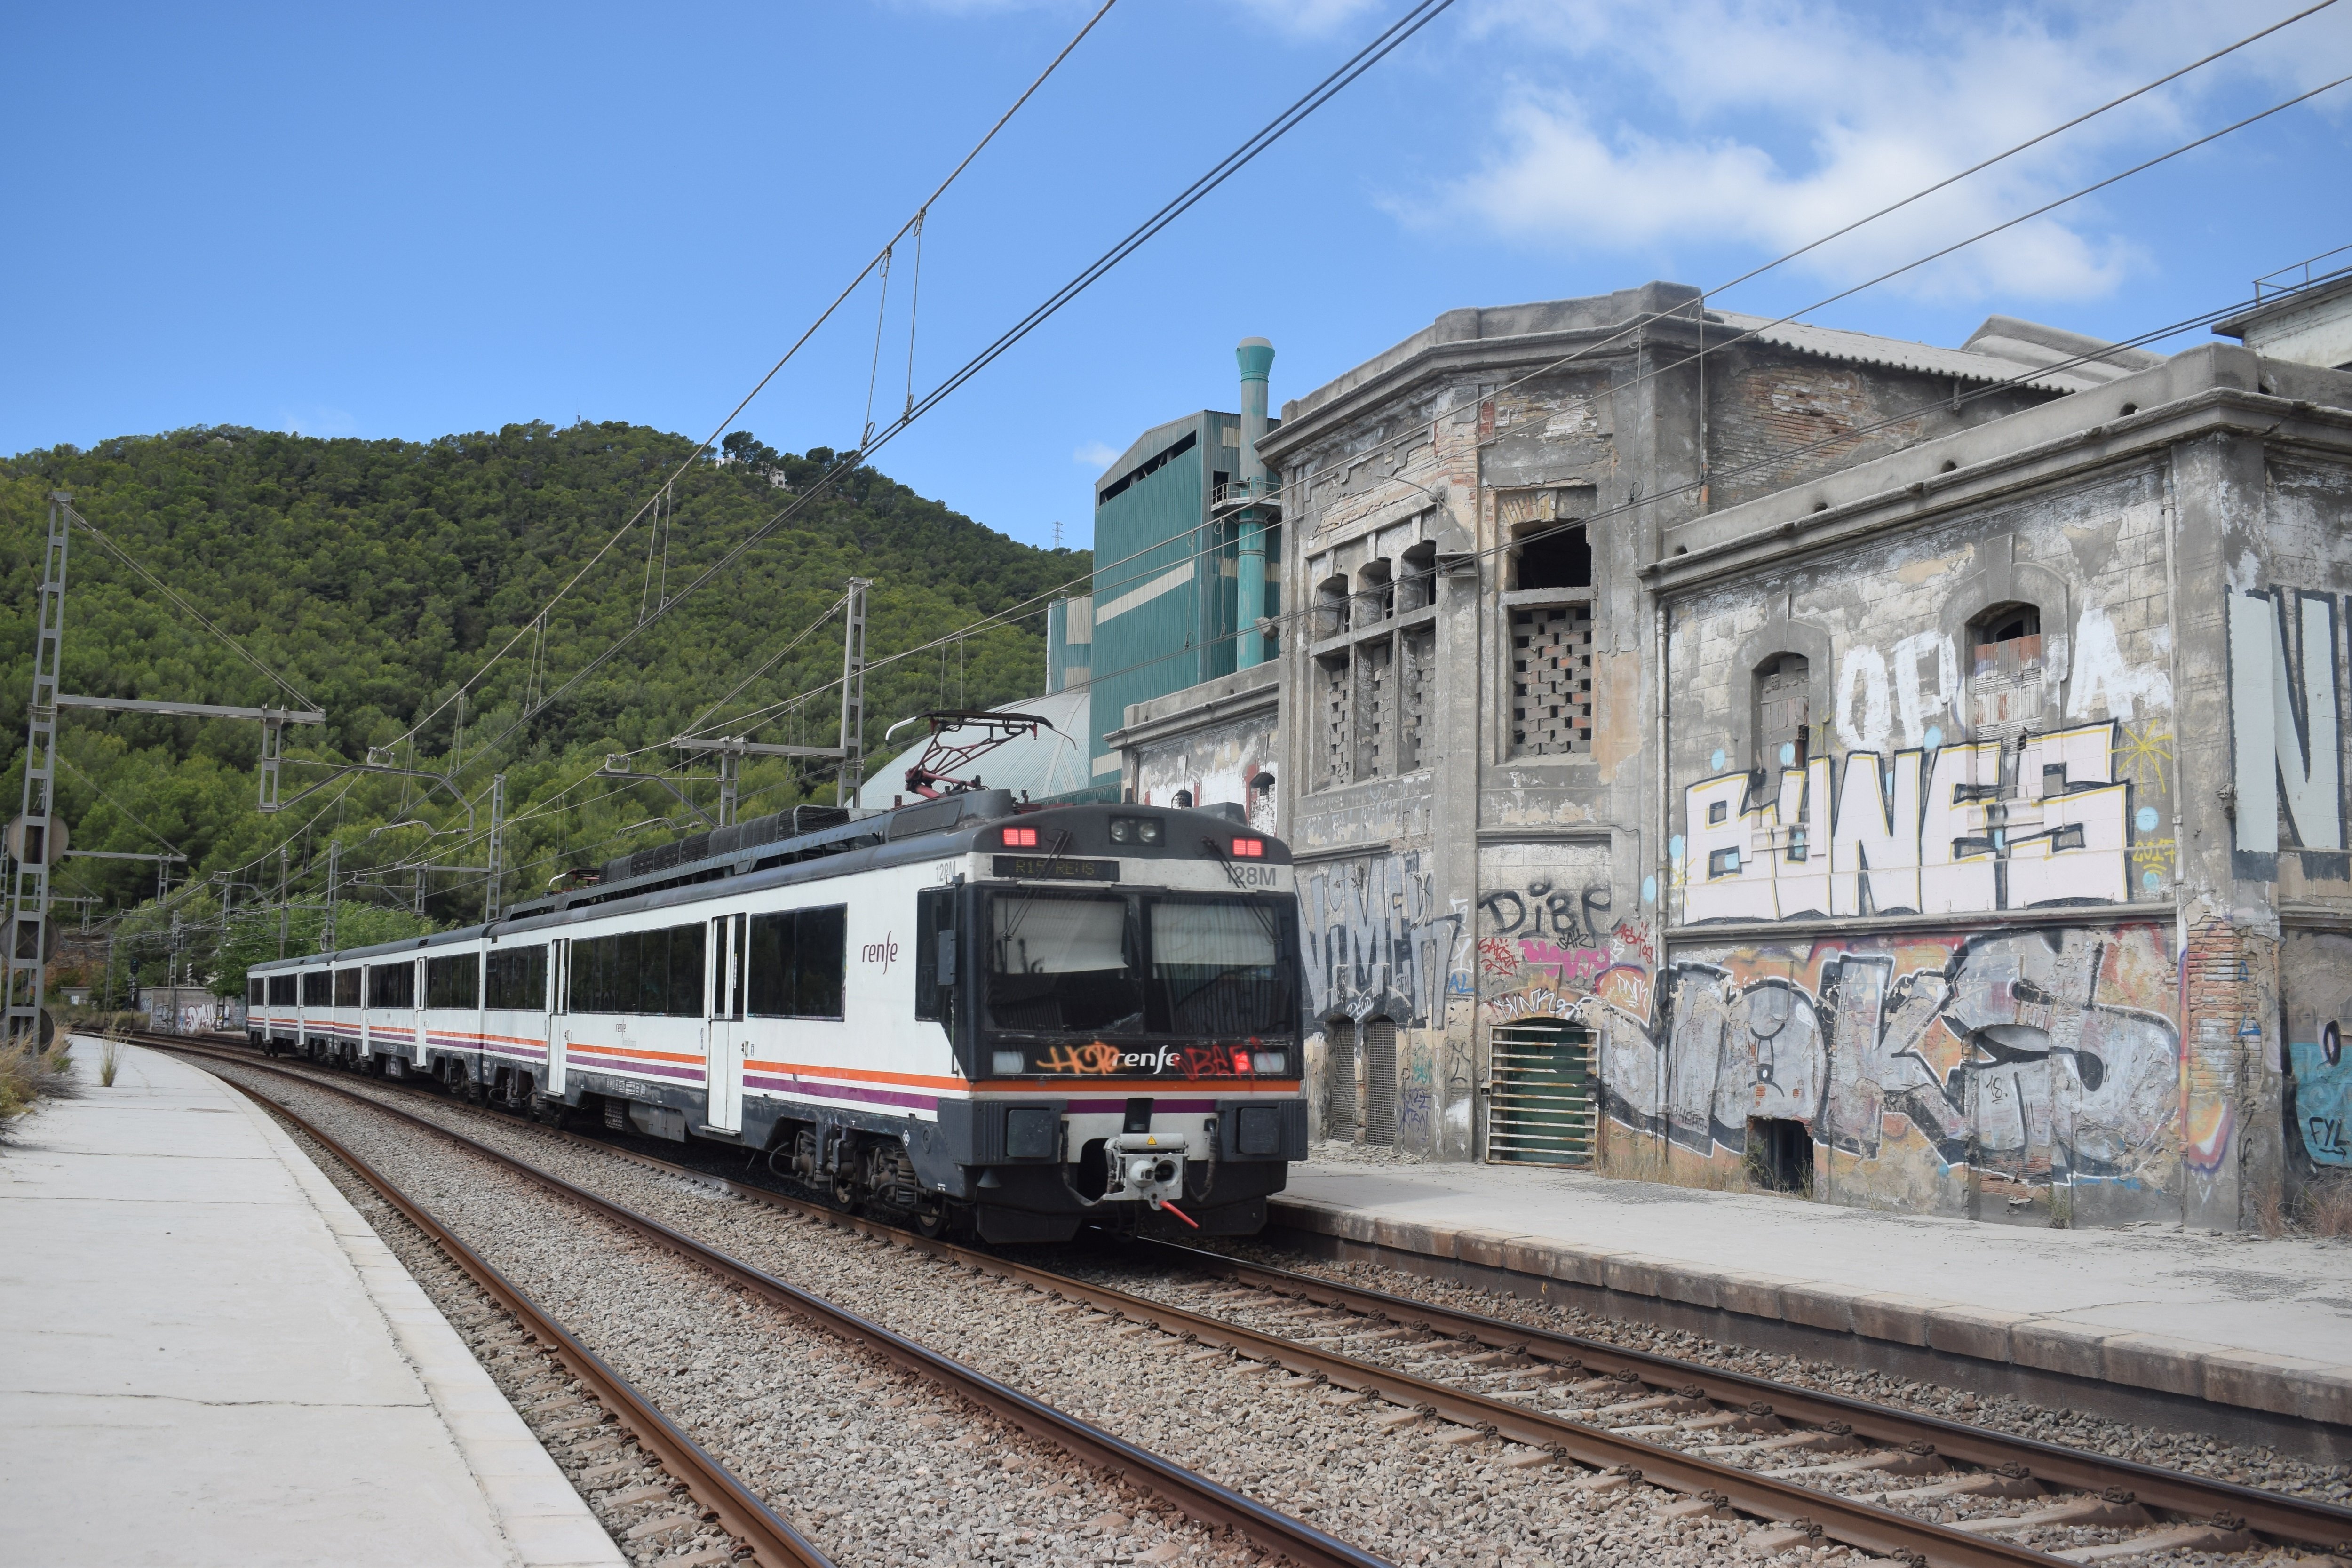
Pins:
x: 930, y: 1220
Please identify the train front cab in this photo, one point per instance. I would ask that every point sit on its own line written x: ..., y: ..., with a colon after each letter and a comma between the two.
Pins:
x: 1126, y: 1011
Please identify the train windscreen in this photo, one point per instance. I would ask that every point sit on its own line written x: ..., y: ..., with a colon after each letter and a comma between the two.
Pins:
x: 1114, y: 964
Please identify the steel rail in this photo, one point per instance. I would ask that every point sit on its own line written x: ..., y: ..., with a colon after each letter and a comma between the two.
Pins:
x: 2312, y: 1524
x: 1194, y: 1495
x: 2320, y: 1525
x: 1883, y: 1532
x: 776, y: 1543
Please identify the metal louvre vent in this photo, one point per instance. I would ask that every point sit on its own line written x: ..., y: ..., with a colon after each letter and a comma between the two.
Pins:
x: 1340, y: 1059
x: 1539, y: 1106
x: 1381, y: 1086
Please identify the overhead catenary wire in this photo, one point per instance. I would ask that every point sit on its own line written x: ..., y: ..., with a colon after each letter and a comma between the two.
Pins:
x: 1037, y: 603
x: 1381, y: 45
x: 797, y: 344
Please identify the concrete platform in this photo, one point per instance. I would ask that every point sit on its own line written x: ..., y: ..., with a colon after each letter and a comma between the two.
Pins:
x: 2234, y: 1335
x: 211, y: 1359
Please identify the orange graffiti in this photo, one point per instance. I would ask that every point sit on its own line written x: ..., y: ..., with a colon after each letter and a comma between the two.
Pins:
x: 1092, y: 1057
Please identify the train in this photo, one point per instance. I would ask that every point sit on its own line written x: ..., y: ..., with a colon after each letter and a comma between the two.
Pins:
x: 972, y: 1013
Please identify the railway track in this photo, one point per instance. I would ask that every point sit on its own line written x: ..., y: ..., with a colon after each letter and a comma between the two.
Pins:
x: 1812, y: 1467
x: 738, y: 1508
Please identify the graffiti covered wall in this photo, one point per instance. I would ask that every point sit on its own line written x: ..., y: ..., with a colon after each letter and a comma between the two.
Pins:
x: 2317, y: 981
x: 1379, y: 945
x: 2021, y: 1074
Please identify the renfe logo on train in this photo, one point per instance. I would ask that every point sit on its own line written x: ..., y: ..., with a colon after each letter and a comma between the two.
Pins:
x: 884, y: 952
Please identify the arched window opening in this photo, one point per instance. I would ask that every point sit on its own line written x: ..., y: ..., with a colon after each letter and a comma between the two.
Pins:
x: 1551, y: 556
x: 2005, y: 670
x: 1783, y: 715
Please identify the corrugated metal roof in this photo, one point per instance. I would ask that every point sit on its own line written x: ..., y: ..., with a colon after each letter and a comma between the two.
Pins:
x: 1864, y: 348
x: 1050, y: 763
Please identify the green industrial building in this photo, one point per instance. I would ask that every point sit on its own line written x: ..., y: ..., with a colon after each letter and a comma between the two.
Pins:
x: 1187, y: 550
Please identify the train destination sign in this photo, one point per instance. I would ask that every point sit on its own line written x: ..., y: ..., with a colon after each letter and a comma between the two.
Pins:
x: 1057, y: 868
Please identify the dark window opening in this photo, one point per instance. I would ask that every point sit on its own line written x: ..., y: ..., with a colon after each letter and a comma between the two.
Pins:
x: 281, y: 990
x: 2006, y: 623
x: 452, y: 982
x: 654, y: 972
x: 392, y: 984
x: 1153, y: 467
x: 1554, y: 557
x: 318, y: 988
x: 1417, y: 590
x: 796, y: 961
x: 253, y: 994
x: 347, y: 987
x: 1378, y: 592
x: 518, y: 980
x: 1780, y: 1155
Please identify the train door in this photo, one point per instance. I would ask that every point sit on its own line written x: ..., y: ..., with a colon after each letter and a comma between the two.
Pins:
x: 559, y: 1017
x: 724, y: 1060
x: 418, y: 1050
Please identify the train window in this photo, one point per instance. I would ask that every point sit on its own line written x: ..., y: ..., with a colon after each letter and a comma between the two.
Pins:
x: 796, y: 961
x: 518, y: 980
x: 1061, y: 961
x: 318, y: 988
x: 727, y: 966
x: 281, y: 991
x: 656, y: 972
x: 935, y: 971
x: 347, y: 987
x: 455, y: 981
x: 1217, y: 969
x: 392, y: 984
x: 253, y: 994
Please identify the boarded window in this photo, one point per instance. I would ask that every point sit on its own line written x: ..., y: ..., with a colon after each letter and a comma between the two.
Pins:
x: 797, y: 958
x: 1420, y: 692
x: 655, y: 973
x: 1783, y: 716
x: 2005, y: 671
x: 517, y: 979
x: 452, y: 982
x: 1552, y: 680
x: 1375, y: 664
x: 1331, y: 717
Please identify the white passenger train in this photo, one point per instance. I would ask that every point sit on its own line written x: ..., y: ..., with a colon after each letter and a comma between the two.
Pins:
x: 1025, y: 1018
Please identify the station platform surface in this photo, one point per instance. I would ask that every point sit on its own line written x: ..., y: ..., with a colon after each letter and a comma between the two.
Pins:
x: 2237, y: 1320
x: 212, y: 1359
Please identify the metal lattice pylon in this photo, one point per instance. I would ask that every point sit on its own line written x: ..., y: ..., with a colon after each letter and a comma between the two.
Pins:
x: 28, y: 878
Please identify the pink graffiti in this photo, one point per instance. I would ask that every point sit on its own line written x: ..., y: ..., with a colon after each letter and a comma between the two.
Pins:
x: 1570, y: 963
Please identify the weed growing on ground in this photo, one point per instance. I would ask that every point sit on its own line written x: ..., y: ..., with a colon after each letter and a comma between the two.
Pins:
x: 110, y: 1058
x: 26, y: 1076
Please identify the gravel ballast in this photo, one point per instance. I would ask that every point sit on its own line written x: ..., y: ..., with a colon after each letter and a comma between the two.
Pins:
x: 1404, y: 1493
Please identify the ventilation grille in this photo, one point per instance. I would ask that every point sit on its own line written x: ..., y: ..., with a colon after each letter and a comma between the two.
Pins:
x: 1540, y: 1105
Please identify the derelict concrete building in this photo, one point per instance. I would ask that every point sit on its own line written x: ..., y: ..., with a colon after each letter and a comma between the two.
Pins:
x: 1912, y: 775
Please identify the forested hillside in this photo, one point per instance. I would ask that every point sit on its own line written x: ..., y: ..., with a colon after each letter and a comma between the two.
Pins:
x: 377, y: 576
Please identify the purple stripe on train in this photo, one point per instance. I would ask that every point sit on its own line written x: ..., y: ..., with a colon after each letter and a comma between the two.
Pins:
x: 841, y: 1091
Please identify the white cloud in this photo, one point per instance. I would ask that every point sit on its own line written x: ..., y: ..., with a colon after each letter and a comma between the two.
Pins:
x: 1625, y: 127
x: 1095, y: 454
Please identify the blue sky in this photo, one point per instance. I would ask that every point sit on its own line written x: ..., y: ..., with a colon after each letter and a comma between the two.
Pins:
x: 415, y: 220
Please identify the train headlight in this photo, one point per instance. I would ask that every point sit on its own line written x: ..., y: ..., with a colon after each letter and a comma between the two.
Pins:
x: 1267, y: 1061
x: 1136, y: 830
x: 1007, y: 1061
x: 1122, y: 830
